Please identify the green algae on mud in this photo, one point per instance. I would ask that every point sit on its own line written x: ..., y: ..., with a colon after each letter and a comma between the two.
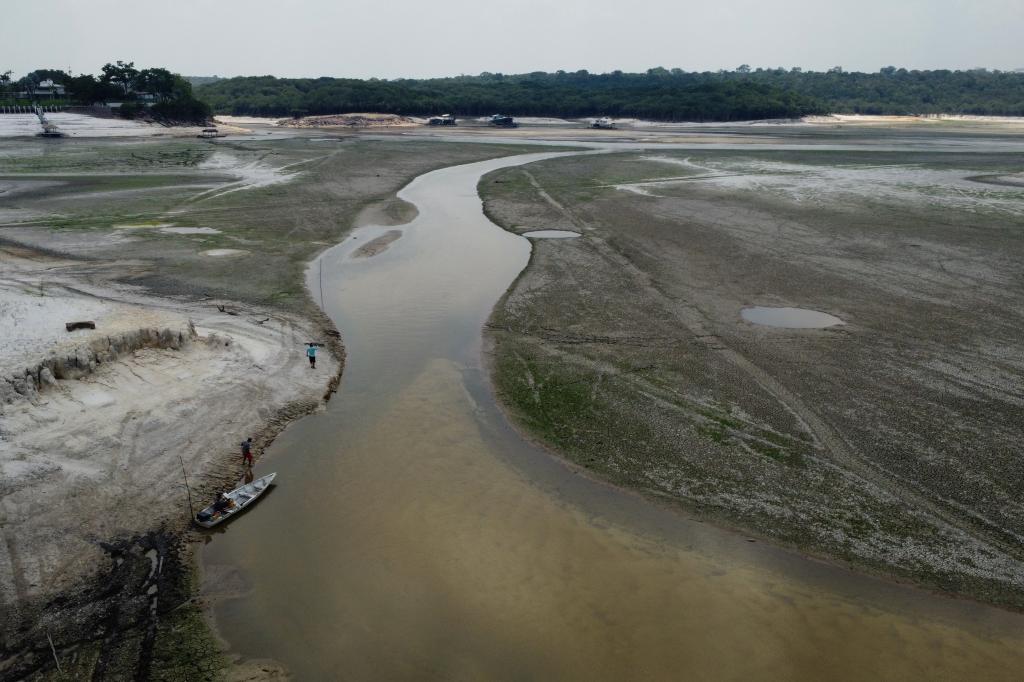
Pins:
x: 625, y: 350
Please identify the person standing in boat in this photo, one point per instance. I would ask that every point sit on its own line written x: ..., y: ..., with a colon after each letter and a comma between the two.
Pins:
x: 311, y: 354
x: 247, y: 452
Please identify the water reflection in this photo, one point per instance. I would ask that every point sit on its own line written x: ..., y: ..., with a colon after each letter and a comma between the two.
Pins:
x: 551, y: 234
x: 791, y: 318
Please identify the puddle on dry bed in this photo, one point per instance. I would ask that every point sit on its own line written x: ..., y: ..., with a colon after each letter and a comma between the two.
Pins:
x: 189, y: 230
x: 551, y: 234
x: 413, y: 534
x: 790, y: 318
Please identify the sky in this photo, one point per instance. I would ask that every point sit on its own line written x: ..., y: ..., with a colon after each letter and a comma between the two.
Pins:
x: 419, y: 38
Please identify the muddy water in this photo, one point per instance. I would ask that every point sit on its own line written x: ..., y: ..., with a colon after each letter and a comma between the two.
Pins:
x: 413, y: 534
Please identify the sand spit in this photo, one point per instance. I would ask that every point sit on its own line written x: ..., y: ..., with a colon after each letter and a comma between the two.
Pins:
x: 377, y: 245
x: 94, y: 421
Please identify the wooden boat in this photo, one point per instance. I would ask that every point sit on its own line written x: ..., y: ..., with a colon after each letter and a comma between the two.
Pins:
x: 241, y: 497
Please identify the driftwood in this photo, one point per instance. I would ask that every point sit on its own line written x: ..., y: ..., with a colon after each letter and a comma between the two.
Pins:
x: 86, y: 324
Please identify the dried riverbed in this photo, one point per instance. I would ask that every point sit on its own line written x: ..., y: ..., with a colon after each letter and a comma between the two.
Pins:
x: 411, y: 513
x: 139, y: 234
x: 889, y: 441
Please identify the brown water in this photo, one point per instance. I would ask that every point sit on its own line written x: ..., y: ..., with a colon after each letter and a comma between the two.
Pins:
x: 413, y: 535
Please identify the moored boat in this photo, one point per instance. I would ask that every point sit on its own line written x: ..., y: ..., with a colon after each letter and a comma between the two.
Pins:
x: 239, y: 498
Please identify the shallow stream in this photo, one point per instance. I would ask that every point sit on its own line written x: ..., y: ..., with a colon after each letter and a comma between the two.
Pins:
x: 414, y: 534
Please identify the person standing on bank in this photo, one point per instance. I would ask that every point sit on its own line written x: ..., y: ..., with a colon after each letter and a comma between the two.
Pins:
x: 247, y: 452
x: 311, y: 354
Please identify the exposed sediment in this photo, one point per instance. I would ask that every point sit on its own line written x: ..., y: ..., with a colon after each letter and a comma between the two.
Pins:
x: 87, y: 358
x: 884, y: 443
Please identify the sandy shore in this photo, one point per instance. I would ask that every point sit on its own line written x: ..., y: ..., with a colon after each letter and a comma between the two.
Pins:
x: 95, y: 457
x: 82, y: 125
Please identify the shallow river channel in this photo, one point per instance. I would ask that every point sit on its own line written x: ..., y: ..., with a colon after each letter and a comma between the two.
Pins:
x: 413, y: 534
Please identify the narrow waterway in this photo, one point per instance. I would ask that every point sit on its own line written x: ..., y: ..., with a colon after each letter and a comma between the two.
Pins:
x: 413, y: 534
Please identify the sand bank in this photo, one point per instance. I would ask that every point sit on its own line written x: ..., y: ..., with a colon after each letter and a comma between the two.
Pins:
x: 81, y: 125
x: 88, y: 459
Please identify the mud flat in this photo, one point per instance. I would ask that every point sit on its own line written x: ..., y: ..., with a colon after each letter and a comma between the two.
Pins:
x: 889, y: 442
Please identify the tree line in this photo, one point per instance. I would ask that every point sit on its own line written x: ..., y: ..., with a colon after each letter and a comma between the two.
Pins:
x: 899, y: 91
x: 154, y: 92
x: 561, y: 94
x: 658, y: 94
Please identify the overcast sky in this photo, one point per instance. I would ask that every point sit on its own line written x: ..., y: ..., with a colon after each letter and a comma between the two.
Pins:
x: 417, y: 38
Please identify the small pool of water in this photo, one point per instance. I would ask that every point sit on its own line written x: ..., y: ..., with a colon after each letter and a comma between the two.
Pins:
x: 792, y: 318
x: 189, y: 230
x: 143, y: 226
x: 551, y: 234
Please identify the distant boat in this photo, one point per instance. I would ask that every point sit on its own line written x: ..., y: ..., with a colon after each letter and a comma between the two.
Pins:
x: 445, y: 120
x: 241, y: 497
x: 503, y: 121
x: 603, y: 123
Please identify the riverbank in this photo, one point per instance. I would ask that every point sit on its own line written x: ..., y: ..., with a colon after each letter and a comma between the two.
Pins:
x: 434, y: 525
x: 211, y: 241
x: 95, y: 438
x: 625, y: 350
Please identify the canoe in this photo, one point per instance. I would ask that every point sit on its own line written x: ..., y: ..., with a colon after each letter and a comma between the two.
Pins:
x: 242, y: 497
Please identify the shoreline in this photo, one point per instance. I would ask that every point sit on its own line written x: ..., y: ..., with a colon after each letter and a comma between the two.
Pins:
x: 183, y: 283
x: 167, y: 534
x: 239, y: 667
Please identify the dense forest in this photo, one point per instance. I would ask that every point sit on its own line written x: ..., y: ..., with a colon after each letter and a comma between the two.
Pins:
x: 686, y: 97
x: 899, y: 91
x: 658, y: 94
x: 151, y: 93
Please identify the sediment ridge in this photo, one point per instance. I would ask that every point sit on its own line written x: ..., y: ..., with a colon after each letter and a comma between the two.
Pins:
x: 86, y: 358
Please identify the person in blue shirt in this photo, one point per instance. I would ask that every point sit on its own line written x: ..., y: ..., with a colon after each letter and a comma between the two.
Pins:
x: 311, y: 354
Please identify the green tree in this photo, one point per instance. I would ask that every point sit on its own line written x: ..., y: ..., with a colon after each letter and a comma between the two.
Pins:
x: 121, y: 74
x: 159, y: 82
